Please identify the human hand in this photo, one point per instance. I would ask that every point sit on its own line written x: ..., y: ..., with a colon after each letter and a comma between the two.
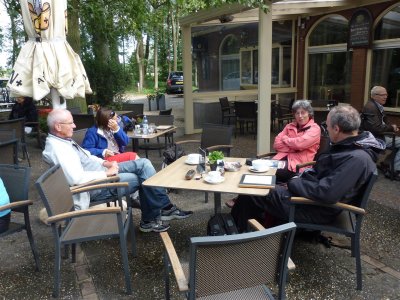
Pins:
x: 108, y: 153
x: 112, y: 171
x: 113, y: 125
x: 395, y: 128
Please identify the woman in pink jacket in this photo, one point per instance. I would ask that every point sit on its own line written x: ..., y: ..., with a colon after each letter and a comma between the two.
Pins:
x: 298, y: 142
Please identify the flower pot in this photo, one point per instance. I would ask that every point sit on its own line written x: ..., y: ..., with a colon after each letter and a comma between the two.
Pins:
x: 161, y: 102
x: 213, y: 166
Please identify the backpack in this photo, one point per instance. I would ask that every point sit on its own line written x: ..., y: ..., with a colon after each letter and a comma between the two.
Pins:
x: 173, y: 153
x: 221, y: 224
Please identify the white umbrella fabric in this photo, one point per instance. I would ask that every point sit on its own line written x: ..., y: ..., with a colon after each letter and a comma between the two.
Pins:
x: 47, y: 64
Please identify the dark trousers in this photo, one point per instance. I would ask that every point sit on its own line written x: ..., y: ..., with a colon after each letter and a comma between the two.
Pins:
x: 5, y: 222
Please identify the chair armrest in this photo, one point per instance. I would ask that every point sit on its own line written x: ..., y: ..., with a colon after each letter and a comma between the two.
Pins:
x: 88, y: 188
x: 216, y: 147
x: 268, y: 154
x: 82, y: 213
x: 16, y: 204
x: 96, y: 181
x: 257, y: 226
x: 187, y: 142
x: 180, y: 277
x: 306, y: 164
x: 339, y: 205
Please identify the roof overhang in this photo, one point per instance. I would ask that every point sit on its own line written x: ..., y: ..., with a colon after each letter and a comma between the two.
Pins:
x: 283, y: 9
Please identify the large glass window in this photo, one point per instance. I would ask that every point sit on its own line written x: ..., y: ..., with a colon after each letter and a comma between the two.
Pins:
x: 329, y: 62
x: 225, y: 57
x: 385, y: 69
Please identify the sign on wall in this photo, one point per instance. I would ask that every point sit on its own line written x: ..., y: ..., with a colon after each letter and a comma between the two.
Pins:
x: 360, y: 29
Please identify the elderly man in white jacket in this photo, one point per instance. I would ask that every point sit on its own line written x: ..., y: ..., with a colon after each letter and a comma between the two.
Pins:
x: 80, y: 167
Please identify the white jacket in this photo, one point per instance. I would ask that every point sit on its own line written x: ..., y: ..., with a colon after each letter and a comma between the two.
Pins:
x: 77, y: 169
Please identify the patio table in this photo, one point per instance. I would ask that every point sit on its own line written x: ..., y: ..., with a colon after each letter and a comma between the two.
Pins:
x: 136, y: 137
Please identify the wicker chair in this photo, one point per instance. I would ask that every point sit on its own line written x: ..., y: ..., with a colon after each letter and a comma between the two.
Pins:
x: 16, y: 180
x: 18, y: 125
x: 8, y: 147
x: 347, y: 223
x: 83, y: 225
x: 232, y: 266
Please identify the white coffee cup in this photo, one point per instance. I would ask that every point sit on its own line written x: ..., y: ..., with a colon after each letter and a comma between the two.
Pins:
x: 260, y: 164
x: 193, y: 158
x: 214, y: 175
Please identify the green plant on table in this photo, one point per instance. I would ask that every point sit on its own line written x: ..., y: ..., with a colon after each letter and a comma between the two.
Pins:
x: 214, y: 156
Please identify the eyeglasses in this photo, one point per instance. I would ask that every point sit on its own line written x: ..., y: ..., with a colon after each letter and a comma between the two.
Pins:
x: 381, y: 94
x: 66, y: 123
x: 112, y: 114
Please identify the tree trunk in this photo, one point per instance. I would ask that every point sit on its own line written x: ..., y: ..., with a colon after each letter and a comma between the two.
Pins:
x: 174, y: 41
x: 156, y: 60
x: 139, y: 60
x: 146, y: 54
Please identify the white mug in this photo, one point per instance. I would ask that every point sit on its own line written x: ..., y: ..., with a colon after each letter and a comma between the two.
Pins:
x: 214, y: 175
x: 193, y: 158
x: 260, y: 164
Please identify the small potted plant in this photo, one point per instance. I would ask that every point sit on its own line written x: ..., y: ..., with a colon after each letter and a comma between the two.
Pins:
x: 214, y: 157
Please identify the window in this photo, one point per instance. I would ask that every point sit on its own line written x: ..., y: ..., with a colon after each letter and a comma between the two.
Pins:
x: 386, y: 56
x: 329, y: 62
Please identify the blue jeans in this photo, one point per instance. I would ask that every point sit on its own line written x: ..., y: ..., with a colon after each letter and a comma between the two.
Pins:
x: 388, y: 141
x: 152, y: 200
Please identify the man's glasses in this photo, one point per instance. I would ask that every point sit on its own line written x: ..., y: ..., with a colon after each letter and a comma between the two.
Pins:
x: 112, y: 114
x: 66, y: 123
x: 382, y: 95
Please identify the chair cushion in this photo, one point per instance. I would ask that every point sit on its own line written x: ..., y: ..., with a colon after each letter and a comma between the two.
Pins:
x: 257, y: 292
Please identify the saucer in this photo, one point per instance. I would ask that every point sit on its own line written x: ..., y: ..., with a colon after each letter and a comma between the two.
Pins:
x: 251, y: 169
x: 208, y: 180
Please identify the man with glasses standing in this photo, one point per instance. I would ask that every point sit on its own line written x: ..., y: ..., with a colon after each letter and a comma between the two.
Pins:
x: 80, y: 167
x: 373, y: 119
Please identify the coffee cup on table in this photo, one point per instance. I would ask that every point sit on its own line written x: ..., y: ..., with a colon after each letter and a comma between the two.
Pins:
x: 193, y: 158
x: 214, y: 176
x: 260, y: 164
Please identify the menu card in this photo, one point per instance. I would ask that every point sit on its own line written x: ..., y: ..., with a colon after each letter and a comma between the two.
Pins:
x: 257, y: 181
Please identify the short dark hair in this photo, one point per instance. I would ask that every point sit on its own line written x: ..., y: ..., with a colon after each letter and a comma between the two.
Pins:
x: 103, y: 115
x: 347, y: 118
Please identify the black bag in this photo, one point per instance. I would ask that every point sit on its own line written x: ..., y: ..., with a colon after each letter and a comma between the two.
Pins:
x: 128, y: 124
x: 173, y: 153
x: 221, y: 224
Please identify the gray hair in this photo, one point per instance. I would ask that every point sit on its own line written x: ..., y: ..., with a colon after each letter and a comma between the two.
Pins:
x: 376, y: 90
x: 346, y: 118
x: 56, y: 116
x: 304, y: 104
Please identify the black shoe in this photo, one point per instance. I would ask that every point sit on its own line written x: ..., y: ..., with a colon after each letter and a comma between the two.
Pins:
x: 174, y: 213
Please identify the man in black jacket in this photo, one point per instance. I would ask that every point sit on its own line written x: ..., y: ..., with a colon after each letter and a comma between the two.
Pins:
x: 338, y: 175
x: 373, y: 119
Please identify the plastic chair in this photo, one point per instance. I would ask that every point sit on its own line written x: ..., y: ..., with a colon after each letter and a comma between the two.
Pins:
x: 16, y: 180
x: 18, y: 125
x: 227, y: 110
x: 232, y: 266
x: 83, y: 225
x: 347, y: 223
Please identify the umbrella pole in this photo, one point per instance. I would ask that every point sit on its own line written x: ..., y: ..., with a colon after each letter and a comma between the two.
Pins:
x: 56, y: 100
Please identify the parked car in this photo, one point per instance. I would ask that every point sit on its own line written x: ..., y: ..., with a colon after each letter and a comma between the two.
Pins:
x: 175, y: 83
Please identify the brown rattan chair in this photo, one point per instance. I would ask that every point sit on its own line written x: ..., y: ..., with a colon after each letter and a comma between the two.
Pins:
x: 16, y: 181
x: 8, y: 147
x: 83, y: 225
x: 79, y: 135
x: 135, y: 109
x: 347, y: 223
x: 246, y: 114
x: 232, y: 266
x: 83, y: 121
x: 19, y: 126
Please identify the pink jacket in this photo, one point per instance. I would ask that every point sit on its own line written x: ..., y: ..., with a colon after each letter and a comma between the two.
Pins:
x: 299, y: 146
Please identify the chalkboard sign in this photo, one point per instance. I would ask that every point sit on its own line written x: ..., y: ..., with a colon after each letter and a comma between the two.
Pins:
x: 360, y: 29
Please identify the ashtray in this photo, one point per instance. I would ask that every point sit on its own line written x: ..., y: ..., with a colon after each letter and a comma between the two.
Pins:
x: 232, y: 166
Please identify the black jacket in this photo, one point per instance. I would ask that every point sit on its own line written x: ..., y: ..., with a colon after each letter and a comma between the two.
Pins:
x: 25, y: 110
x: 373, y: 120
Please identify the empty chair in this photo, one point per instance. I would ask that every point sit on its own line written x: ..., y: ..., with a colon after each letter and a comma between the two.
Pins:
x: 246, y: 114
x: 232, y: 266
x: 227, y: 110
x: 165, y: 112
x: 347, y: 223
x: 16, y: 181
x: 83, y: 121
x: 83, y: 225
x: 75, y: 110
x: 135, y: 109
x: 17, y: 125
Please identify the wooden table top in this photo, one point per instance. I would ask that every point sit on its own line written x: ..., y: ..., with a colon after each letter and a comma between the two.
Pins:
x: 132, y: 135
x: 173, y: 176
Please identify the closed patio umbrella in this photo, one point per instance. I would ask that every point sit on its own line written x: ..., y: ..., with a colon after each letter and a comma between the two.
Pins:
x: 47, y: 64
